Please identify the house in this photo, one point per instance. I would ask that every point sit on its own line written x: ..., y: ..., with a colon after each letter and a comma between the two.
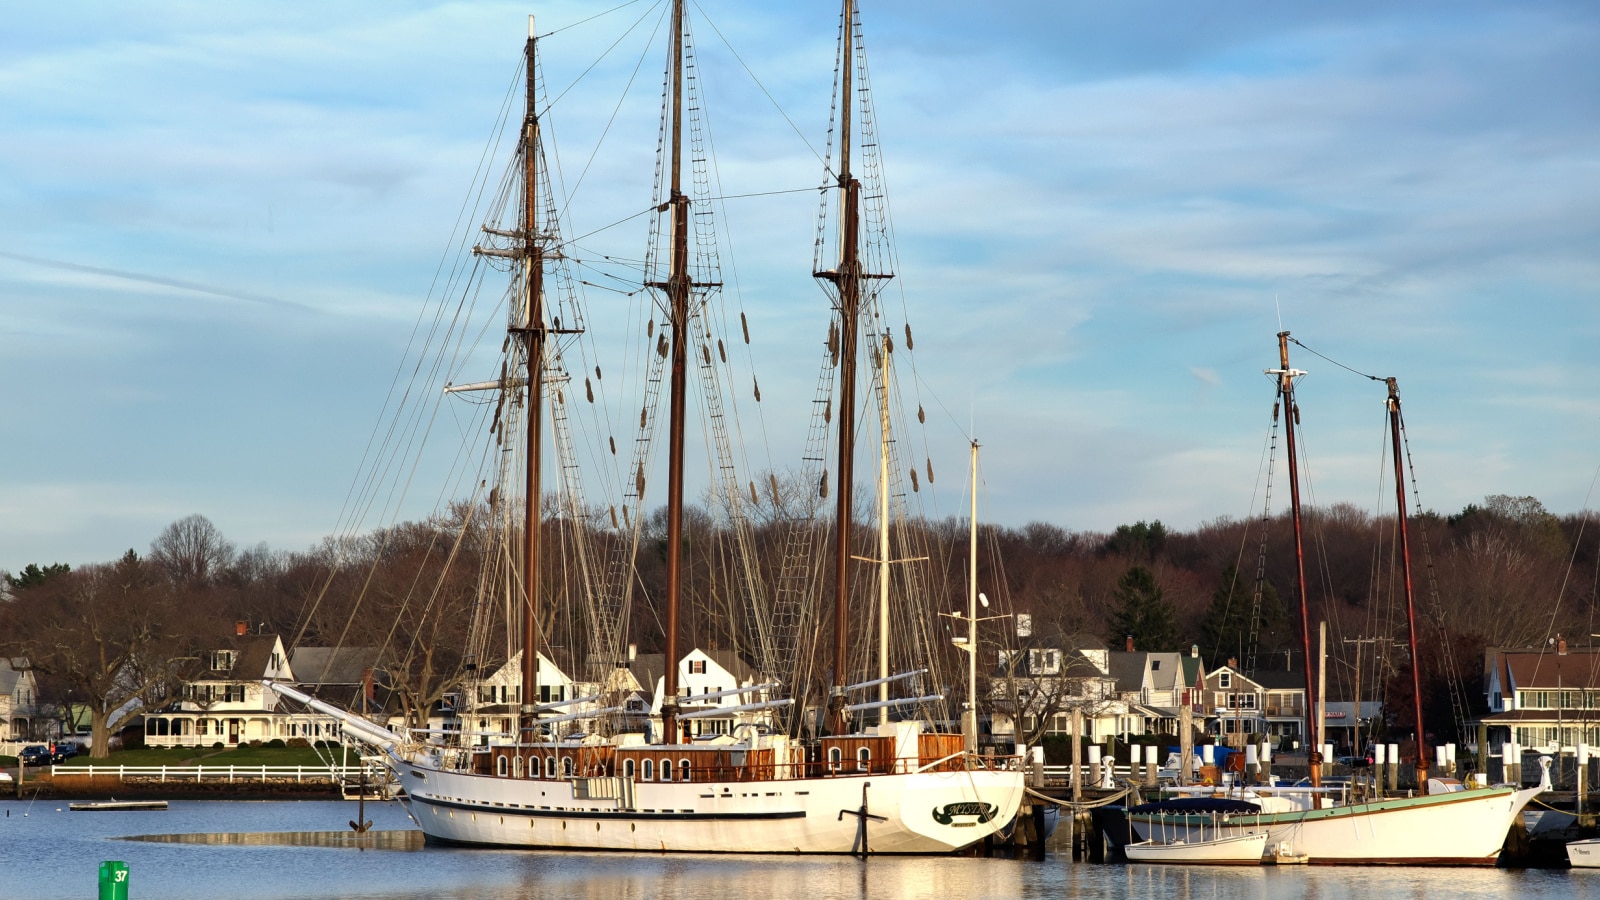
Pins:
x: 1248, y: 708
x: 1151, y: 684
x: 1033, y: 692
x: 715, y: 675
x: 19, y: 700
x: 1544, y: 698
x: 227, y: 704
x: 490, y: 707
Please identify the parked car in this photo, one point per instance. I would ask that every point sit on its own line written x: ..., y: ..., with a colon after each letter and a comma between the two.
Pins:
x: 1354, y: 762
x: 65, y: 750
x: 35, y: 755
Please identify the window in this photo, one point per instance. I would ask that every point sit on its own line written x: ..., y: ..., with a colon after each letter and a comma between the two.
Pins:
x: 222, y: 660
x: 485, y: 693
x: 666, y: 770
x: 566, y: 766
x: 628, y: 769
x: 1155, y: 665
x: 500, y: 766
x: 1225, y: 680
x: 697, y: 667
x: 549, y: 767
x: 649, y: 770
x: 835, y: 758
x: 516, y: 766
x: 683, y: 769
x: 863, y: 759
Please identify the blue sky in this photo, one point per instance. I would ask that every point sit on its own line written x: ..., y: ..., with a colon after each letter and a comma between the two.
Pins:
x: 218, y: 223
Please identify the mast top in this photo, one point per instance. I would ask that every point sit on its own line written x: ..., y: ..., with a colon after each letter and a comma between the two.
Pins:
x: 531, y: 35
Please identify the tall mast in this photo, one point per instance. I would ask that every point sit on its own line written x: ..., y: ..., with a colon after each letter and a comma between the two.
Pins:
x: 847, y: 278
x: 969, y: 717
x: 1393, y: 404
x: 1286, y: 377
x: 533, y: 336
x: 678, y: 302
x: 883, y: 537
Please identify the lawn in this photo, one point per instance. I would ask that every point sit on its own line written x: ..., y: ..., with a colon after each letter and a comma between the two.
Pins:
x: 208, y: 756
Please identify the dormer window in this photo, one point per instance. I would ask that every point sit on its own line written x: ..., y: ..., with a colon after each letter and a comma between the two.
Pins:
x: 222, y: 660
x: 697, y: 667
x: 1155, y: 665
x: 1225, y: 680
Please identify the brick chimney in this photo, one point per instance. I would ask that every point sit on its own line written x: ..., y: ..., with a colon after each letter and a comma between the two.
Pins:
x: 1561, y: 645
x: 1127, y: 643
x: 1233, y: 662
x: 241, y: 628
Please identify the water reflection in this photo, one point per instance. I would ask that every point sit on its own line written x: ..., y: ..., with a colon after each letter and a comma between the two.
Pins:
x: 372, y: 840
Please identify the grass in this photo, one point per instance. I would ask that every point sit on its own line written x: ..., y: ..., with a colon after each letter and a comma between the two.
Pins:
x: 210, y: 756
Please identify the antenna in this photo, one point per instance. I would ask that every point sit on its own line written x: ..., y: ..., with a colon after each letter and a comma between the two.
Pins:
x: 1279, y: 307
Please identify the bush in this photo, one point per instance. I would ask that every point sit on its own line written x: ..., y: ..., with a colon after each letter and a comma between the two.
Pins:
x: 253, y: 743
x: 276, y: 743
x: 217, y: 746
x: 298, y: 742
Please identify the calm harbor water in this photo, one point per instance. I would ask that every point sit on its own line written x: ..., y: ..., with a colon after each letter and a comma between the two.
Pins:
x: 47, y: 852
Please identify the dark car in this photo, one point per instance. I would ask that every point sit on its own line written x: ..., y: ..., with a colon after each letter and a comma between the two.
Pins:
x: 1355, y: 762
x: 66, y: 750
x: 36, y: 755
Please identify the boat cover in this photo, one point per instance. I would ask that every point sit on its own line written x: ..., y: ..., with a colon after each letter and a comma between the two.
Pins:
x: 1192, y: 805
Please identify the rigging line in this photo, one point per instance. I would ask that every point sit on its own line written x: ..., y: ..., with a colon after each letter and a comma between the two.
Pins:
x: 917, y: 376
x: 804, y: 190
x: 590, y: 19
x: 615, y: 110
x: 748, y: 71
x: 1576, y: 543
x: 1334, y: 361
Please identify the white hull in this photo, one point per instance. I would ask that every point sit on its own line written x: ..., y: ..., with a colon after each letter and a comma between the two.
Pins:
x: 804, y: 815
x: 1229, y: 850
x: 1584, y: 854
x: 1459, y: 828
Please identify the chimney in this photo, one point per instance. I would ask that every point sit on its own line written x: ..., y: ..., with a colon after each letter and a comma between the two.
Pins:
x: 1561, y: 645
x: 368, y: 689
x: 1233, y: 662
x: 241, y: 628
x: 1127, y: 643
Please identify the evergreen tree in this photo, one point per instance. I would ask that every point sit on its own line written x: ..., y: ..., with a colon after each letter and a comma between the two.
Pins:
x: 1225, y: 631
x: 1143, y: 612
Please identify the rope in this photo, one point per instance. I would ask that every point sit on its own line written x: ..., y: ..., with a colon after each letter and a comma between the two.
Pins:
x: 1334, y: 361
x: 1078, y: 807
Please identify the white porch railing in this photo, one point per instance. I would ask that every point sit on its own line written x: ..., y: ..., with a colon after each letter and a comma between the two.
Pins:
x: 223, y: 773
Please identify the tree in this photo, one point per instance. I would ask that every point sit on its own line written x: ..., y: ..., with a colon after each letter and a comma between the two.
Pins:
x: 1226, y: 630
x: 1138, y: 541
x: 1143, y: 612
x: 32, y: 575
x: 114, y: 634
x: 191, y: 551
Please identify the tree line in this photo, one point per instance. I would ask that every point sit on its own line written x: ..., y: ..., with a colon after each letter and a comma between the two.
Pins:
x: 119, y: 637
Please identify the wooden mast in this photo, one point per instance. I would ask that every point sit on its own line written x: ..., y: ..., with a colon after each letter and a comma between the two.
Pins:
x: 678, y: 311
x: 1286, y: 377
x: 533, y: 336
x: 847, y: 279
x: 1393, y: 404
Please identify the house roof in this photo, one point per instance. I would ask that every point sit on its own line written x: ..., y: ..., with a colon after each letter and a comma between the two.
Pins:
x: 1191, y: 669
x: 1539, y: 671
x: 1127, y: 668
x: 1164, y: 668
x: 1279, y: 680
x: 332, y: 665
x: 11, y: 673
x: 741, y: 670
x: 254, y: 653
x: 1537, y: 715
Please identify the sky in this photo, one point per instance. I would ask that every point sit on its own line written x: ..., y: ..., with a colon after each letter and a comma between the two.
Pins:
x: 219, y: 222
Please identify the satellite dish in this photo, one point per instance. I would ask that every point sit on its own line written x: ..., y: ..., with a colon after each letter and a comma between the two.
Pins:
x: 984, y: 600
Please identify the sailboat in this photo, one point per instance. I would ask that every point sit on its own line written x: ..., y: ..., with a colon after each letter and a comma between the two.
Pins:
x: 895, y: 787
x: 1452, y: 824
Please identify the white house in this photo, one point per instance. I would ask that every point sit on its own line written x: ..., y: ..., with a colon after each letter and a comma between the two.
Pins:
x: 227, y: 704
x: 703, y: 672
x: 19, y: 700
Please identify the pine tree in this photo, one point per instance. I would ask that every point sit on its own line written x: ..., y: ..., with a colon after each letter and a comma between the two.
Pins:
x: 1225, y: 631
x: 1143, y: 612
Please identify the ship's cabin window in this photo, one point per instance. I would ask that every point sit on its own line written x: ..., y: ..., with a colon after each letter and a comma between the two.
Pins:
x: 566, y: 766
x: 627, y: 769
x: 516, y: 767
x: 835, y: 758
x: 549, y: 767
x: 666, y: 770
x: 863, y: 759
x: 500, y: 766
x: 649, y: 770
x: 683, y: 769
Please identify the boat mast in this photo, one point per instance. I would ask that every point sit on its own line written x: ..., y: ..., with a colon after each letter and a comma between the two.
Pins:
x: 533, y: 337
x: 969, y: 718
x: 883, y: 538
x: 847, y: 278
x: 677, y: 286
x: 1393, y: 404
x: 1286, y: 377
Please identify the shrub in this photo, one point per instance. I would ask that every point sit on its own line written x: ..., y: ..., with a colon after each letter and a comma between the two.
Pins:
x: 298, y: 742
x: 217, y: 746
x: 255, y: 742
x: 276, y: 743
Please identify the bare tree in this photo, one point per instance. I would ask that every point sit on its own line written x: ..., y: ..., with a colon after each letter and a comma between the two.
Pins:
x: 191, y: 551
x: 116, y: 635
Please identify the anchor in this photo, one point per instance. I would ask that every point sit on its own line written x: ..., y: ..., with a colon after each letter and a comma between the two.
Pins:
x: 859, y: 846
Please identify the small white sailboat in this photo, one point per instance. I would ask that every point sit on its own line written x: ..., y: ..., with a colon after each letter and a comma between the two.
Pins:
x: 1244, y: 849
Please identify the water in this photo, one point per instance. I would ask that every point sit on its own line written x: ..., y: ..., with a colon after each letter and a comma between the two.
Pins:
x: 52, y: 853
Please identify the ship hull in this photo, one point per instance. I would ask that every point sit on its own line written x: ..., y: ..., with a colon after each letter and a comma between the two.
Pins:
x: 907, y: 813
x: 1464, y: 828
